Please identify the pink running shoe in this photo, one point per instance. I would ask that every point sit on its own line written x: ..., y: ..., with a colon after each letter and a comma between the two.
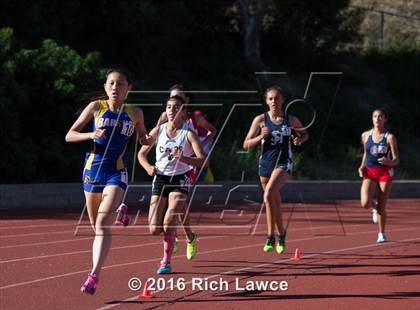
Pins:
x: 122, y: 217
x: 89, y: 286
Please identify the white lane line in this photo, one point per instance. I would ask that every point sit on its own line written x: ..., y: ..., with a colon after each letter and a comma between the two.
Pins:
x: 88, y: 227
x: 265, y: 265
x: 116, y: 248
x: 36, y: 226
x: 44, y: 243
x: 37, y: 234
x: 13, y: 222
x: 179, y: 256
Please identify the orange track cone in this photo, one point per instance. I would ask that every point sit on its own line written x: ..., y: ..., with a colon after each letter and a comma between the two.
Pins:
x: 297, y: 255
x: 146, y: 292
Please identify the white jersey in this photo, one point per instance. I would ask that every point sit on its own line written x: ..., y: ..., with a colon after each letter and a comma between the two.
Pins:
x: 166, y: 164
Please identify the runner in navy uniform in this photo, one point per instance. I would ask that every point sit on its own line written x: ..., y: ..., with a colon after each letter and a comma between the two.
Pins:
x: 380, y: 156
x: 273, y: 130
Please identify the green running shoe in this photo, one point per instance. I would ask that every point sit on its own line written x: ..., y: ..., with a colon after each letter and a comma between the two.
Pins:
x: 269, y: 243
x: 281, y: 247
x: 175, y: 247
x: 192, y: 247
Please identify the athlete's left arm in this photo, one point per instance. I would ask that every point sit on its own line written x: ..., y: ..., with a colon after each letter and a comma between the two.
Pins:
x: 395, y: 158
x: 144, y: 138
x: 200, y: 159
x: 302, y: 135
x: 211, y: 130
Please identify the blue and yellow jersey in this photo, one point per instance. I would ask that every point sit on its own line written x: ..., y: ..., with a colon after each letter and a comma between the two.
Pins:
x: 109, y: 153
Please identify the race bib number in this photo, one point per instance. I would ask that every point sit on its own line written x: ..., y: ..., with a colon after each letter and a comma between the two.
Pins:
x: 124, y: 176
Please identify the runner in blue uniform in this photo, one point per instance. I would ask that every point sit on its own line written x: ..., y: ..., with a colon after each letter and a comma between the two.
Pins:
x: 273, y: 130
x: 105, y: 170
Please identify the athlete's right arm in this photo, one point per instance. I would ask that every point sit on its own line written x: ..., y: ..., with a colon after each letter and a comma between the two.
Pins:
x: 256, y: 133
x: 75, y: 134
x: 144, y: 150
x: 361, y: 169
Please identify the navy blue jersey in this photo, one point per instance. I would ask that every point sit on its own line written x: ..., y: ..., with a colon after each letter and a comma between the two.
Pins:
x: 374, y: 151
x: 276, y: 147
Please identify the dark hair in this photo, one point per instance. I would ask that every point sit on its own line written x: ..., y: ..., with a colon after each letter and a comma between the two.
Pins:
x: 277, y: 88
x: 385, y: 113
x: 177, y: 87
x: 119, y: 70
x: 183, y: 89
x: 178, y: 99
x: 382, y: 110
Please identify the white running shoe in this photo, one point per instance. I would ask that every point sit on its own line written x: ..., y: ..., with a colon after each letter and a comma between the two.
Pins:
x: 374, y: 216
x: 381, y: 238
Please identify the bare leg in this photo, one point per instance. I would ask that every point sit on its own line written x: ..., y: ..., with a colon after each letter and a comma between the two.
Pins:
x: 157, y: 210
x: 268, y: 208
x: 93, y: 200
x: 186, y: 224
x: 176, y: 203
x: 112, y: 197
x: 384, y: 191
x: 279, y: 178
x: 279, y: 218
x: 366, y: 193
x: 272, y: 199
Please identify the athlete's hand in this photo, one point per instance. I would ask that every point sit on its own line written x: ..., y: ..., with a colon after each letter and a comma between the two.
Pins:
x: 177, y: 154
x: 383, y: 161
x: 98, y: 134
x: 264, y: 132
x: 147, y: 140
x: 297, y: 140
x: 361, y: 171
x: 151, y: 170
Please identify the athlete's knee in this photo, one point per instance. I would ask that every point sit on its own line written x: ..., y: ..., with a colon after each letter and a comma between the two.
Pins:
x: 268, y: 203
x: 365, y: 203
x: 269, y: 196
x: 102, y: 221
x: 168, y: 229
x: 102, y: 229
x: 155, y: 230
x: 381, y: 209
x: 169, y: 226
x: 382, y: 213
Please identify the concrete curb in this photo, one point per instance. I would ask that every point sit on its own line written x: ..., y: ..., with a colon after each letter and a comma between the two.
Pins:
x: 59, y: 195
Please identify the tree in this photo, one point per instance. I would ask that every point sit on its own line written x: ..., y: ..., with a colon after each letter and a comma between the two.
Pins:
x: 252, y: 18
x: 40, y: 91
x: 389, y: 21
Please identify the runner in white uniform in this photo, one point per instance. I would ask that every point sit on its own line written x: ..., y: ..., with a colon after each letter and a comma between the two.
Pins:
x: 175, y: 145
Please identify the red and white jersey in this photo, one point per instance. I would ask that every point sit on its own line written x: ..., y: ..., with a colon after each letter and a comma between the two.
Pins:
x: 198, y: 130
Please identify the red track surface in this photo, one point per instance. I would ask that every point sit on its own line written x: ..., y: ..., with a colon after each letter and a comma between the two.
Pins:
x: 43, y: 263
